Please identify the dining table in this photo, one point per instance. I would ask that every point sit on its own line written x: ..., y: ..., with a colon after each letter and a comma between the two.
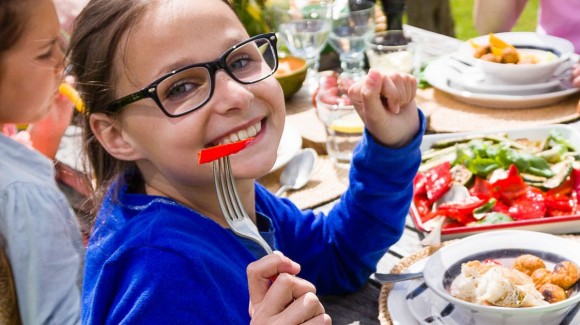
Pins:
x: 445, y: 114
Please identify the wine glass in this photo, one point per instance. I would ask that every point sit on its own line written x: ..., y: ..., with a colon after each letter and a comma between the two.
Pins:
x: 353, y: 23
x: 305, y: 32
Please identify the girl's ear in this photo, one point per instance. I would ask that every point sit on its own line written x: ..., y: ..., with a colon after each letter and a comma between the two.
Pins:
x: 109, y: 133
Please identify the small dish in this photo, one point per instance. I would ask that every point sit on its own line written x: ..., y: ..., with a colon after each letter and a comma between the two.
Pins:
x: 504, y: 246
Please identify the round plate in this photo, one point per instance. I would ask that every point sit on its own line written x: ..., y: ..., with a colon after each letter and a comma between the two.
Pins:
x: 438, y: 72
x: 413, y: 303
x: 290, y: 144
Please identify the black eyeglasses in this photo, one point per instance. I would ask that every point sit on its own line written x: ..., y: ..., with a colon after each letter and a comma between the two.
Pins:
x: 184, y: 90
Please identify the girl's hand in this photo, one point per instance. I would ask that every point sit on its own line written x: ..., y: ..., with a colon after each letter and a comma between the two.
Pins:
x: 386, y: 104
x: 286, y: 300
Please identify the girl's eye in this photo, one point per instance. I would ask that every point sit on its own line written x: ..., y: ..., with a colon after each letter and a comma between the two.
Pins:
x: 240, y: 63
x: 180, y: 89
x: 45, y: 56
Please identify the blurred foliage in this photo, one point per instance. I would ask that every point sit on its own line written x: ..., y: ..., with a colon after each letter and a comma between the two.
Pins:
x: 252, y: 13
x: 462, y: 11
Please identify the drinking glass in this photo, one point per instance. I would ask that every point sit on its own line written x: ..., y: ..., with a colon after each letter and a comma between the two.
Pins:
x: 393, y: 51
x: 305, y: 31
x: 344, y: 127
x: 353, y: 23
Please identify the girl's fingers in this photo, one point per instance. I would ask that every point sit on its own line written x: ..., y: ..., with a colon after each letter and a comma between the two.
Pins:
x: 263, y: 270
x: 284, y: 291
x: 323, y: 319
x: 303, y: 309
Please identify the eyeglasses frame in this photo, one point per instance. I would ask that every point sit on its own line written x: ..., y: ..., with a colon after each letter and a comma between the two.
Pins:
x: 212, y: 67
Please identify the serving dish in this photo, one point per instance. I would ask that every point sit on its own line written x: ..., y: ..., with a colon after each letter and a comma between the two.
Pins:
x: 554, y: 225
x: 413, y: 302
x: 438, y: 73
x: 551, y: 51
x: 502, y: 246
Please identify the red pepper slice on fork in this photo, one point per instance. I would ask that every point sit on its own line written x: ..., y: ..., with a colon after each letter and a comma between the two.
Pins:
x: 216, y: 152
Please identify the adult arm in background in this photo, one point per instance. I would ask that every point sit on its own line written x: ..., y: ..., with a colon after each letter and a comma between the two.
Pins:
x: 493, y: 16
x: 47, y: 133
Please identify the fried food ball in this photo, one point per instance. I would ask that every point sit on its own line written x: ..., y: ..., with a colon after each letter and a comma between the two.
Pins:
x: 541, y: 277
x: 490, y: 57
x: 510, y: 55
x: 482, y: 50
x: 528, y: 263
x: 552, y: 293
x: 565, y: 274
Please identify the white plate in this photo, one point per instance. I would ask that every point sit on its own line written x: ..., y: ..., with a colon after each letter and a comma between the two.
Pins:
x: 554, y: 225
x: 290, y: 144
x: 413, y: 302
x: 438, y: 72
x: 472, y: 79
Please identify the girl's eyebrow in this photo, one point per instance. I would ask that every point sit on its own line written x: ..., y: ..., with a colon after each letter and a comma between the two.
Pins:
x: 44, y: 43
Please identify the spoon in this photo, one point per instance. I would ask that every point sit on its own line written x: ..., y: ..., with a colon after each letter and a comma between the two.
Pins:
x: 392, y: 277
x: 297, y: 172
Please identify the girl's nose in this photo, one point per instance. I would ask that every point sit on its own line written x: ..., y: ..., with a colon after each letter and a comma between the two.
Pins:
x: 230, y: 94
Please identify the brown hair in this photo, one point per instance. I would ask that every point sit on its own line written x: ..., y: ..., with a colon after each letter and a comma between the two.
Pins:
x: 14, y: 14
x: 94, y: 45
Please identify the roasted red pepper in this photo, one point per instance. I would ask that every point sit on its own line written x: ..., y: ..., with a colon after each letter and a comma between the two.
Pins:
x: 461, y: 211
x: 511, y: 187
x: 222, y: 150
x: 437, y: 181
x: 531, y: 205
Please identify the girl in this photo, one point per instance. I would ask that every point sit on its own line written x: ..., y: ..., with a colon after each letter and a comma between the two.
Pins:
x: 162, y: 80
x: 38, y: 230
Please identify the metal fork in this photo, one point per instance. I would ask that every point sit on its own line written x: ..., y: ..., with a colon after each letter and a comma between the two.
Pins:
x: 231, y: 206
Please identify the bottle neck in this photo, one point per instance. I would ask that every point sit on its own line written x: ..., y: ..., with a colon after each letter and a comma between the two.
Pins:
x: 394, y: 10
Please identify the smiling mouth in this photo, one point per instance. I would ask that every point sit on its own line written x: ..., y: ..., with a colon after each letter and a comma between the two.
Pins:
x: 248, y: 132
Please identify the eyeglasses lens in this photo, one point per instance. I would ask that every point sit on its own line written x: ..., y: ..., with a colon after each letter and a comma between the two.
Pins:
x: 189, y: 89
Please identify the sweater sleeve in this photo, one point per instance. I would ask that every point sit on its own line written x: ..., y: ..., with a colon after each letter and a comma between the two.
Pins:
x: 338, y: 252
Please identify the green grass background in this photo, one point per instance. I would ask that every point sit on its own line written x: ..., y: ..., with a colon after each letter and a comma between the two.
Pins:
x: 462, y: 11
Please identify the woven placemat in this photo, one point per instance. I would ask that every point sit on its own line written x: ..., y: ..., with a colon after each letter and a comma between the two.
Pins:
x: 326, y: 184
x: 447, y: 114
x: 384, y: 316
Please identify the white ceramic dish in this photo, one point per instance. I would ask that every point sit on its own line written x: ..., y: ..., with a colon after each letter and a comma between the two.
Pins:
x: 473, y: 80
x: 526, y: 42
x: 437, y: 74
x: 413, y: 303
x: 504, y: 246
x: 555, y: 225
x: 290, y: 144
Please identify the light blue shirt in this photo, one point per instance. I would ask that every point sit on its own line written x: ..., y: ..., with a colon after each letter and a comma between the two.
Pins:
x: 41, y: 237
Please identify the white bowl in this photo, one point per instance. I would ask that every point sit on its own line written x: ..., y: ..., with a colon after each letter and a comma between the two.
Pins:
x: 505, y: 245
x: 522, y: 74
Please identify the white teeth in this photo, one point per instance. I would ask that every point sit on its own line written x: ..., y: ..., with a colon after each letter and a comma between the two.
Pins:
x: 251, y: 131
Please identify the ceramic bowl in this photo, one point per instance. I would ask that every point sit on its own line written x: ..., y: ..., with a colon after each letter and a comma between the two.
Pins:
x: 504, y: 246
x: 552, y: 52
x: 291, y: 74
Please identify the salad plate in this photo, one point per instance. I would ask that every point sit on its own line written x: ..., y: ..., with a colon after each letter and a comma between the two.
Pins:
x: 444, y: 76
x: 555, y: 225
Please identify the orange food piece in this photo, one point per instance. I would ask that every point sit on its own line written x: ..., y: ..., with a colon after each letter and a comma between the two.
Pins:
x: 498, y: 42
x: 222, y: 150
x: 72, y: 94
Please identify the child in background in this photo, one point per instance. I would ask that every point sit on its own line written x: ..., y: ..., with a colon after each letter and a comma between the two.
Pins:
x: 162, y: 80
x: 38, y: 231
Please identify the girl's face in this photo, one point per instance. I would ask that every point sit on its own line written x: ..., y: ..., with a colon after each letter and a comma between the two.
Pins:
x: 173, y: 34
x: 32, y: 69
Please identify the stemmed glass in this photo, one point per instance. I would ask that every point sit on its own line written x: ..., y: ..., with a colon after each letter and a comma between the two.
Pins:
x: 353, y: 23
x: 305, y: 32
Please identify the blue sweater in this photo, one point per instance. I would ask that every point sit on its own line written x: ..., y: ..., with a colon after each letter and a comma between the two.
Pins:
x: 151, y: 260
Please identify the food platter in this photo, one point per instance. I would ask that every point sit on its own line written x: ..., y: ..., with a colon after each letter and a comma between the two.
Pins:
x: 556, y: 225
x: 438, y: 73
